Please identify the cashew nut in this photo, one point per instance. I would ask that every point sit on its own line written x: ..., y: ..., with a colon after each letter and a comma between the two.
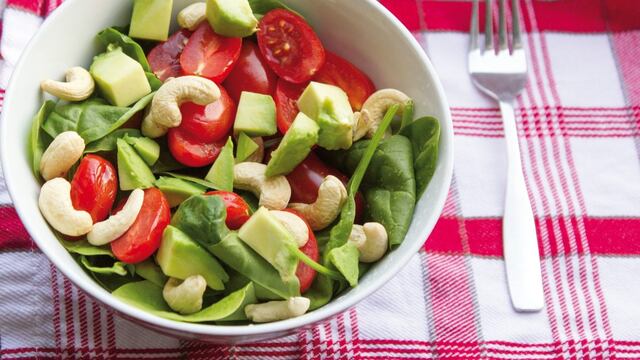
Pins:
x: 374, y: 110
x: 258, y: 155
x: 56, y: 207
x: 61, y: 154
x: 331, y: 196
x: 116, y: 225
x: 79, y: 85
x: 191, y: 16
x: 294, y: 224
x: 371, y: 240
x: 277, y: 310
x: 274, y: 192
x: 165, y: 106
x: 185, y: 297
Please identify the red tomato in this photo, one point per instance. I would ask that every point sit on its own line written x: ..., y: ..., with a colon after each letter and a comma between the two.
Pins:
x: 192, y: 152
x: 251, y: 73
x: 144, y: 236
x: 238, y: 211
x: 94, y: 187
x: 290, y: 46
x: 209, y: 123
x: 306, y: 274
x: 286, y: 99
x: 165, y: 57
x: 210, y: 55
x: 343, y: 74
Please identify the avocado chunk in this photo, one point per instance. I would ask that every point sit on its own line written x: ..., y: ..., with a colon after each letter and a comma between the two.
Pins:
x: 329, y: 106
x: 294, y: 147
x: 133, y: 172
x: 221, y: 172
x: 266, y: 236
x: 256, y: 115
x: 148, y: 149
x: 180, y: 257
x: 148, y: 270
x: 177, y: 190
x: 151, y: 19
x: 232, y: 18
x: 121, y: 79
x: 246, y: 147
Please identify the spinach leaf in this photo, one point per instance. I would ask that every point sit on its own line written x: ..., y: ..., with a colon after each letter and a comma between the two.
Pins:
x: 320, y: 292
x: 424, y: 134
x: 407, y: 114
x: 345, y: 259
x: 108, y: 143
x: 250, y: 199
x: 261, y: 7
x: 238, y: 281
x: 203, y: 218
x: 111, y: 36
x: 82, y: 247
x: 116, y: 267
x: 166, y: 162
x: 148, y: 270
x: 38, y: 139
x: 154, y: 82
x: 148, y: 296
x: 193, y: 179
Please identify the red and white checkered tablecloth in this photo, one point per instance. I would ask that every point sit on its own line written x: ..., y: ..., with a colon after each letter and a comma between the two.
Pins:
x: 579, y: 126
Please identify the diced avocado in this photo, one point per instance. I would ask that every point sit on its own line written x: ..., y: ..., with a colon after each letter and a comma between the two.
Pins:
x: 221, y: 172
x: 121, y: 79
x: 294, y: 147
x: 266, y: 236
x: 256, y: 115
x: 148, y: 270
x: 133, y: 172
x: 180, y: 257
x: 177, y: 190
x: 151, y: 19
x: 232, y: 18
x: 148, y: 149
x: 329, y: 106
x: 246, y: 147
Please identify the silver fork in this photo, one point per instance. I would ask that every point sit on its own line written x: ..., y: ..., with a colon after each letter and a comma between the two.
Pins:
x: 502, y: 76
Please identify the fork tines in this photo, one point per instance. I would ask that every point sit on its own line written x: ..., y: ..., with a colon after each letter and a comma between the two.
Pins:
x: 503, y: 43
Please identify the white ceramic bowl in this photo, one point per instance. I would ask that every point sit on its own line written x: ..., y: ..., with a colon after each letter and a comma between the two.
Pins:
x: 362, y: 31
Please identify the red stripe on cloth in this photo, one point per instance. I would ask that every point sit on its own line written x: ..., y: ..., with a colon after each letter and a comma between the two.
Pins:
x: 613, y: 236
x: 406, y: 11
x: 622, y: 15
x: 13, y: 236
x: 570, y: 15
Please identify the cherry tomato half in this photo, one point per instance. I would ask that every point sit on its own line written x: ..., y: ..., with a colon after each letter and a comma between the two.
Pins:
x: 238, y: 211
x: 286, y: 99
x: 343, y: 74
x: 144, y: 236
x: 304, y: 272
x: 94, y: 187
x: 192, y: 152
x: 208, y: 123
x: 210, y: 55
x: 290, y: 46
x: 165, y: 57
x: 251, y: 73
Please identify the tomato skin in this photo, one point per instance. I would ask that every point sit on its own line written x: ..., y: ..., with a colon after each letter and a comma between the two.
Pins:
x: 304, y: 272
x: 286, y: 99
x: 251, y: 73
x: 144, y: 236
x: 210, y: 55
x: 238, y: 211
x: 208, y: 123
x: 94, y: 187
x: 192, y: 152
x: 165, y: 57
x: 343, y: 74
x: 290, y: 46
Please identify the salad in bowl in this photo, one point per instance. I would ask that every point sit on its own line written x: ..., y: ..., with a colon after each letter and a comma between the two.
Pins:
x: 232, y: 172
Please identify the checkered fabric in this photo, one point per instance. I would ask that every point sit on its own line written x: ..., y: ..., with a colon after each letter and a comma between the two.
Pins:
x: 579, y: 127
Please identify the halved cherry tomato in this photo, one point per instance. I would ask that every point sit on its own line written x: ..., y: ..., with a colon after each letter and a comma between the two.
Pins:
x: 306, y: 274
x: 290, y: 46
x: 251, y: 73
x: 94, y: 187
x: 210, y: 55
x: 208, y: 123
x: 144, y: 236
x: 343, y: 74
x: 165, y: 57
x: 190, y: 151
x: 238, y: 211
x: 286, y: 99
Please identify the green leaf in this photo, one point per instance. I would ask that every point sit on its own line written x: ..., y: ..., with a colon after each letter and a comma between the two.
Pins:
x: 203, y: 219
x: 193, y: 179
x: 166, y: 162
x: 38, y: 139
x: 117, y: 267
x: 407, y: 114
x: 112, y: 36
x: 82, y: 247
x: 261, y: 7
x: 221, y: 172
x: 148, y: 296
x: 154, y: 82
x: 345, y: 259
x: 250, y: 199
x: 148, y: 270
x: 320, y: 292
x: 424, y: 134
x: 108, y: 143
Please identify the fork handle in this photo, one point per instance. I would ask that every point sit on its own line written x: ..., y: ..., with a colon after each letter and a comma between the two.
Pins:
x: 519, y: 240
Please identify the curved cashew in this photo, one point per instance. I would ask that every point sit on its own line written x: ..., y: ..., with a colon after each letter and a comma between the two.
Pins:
x: 374, y: 109
x: 258, y: 155
x: 371, y: 240
x: 185, y: 297
x: 56, y: 207
x: 165, y: 106
x: 331, y: 196
x: 61, y: 154
x: 191, y: 16
x: 277, y: 310
x: 274, y: 192
x: 79, y: 85
x: 116, y: 225
x: 294, y: 224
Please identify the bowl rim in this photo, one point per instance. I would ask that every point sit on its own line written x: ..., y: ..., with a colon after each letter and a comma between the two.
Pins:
x: 326, y: 312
